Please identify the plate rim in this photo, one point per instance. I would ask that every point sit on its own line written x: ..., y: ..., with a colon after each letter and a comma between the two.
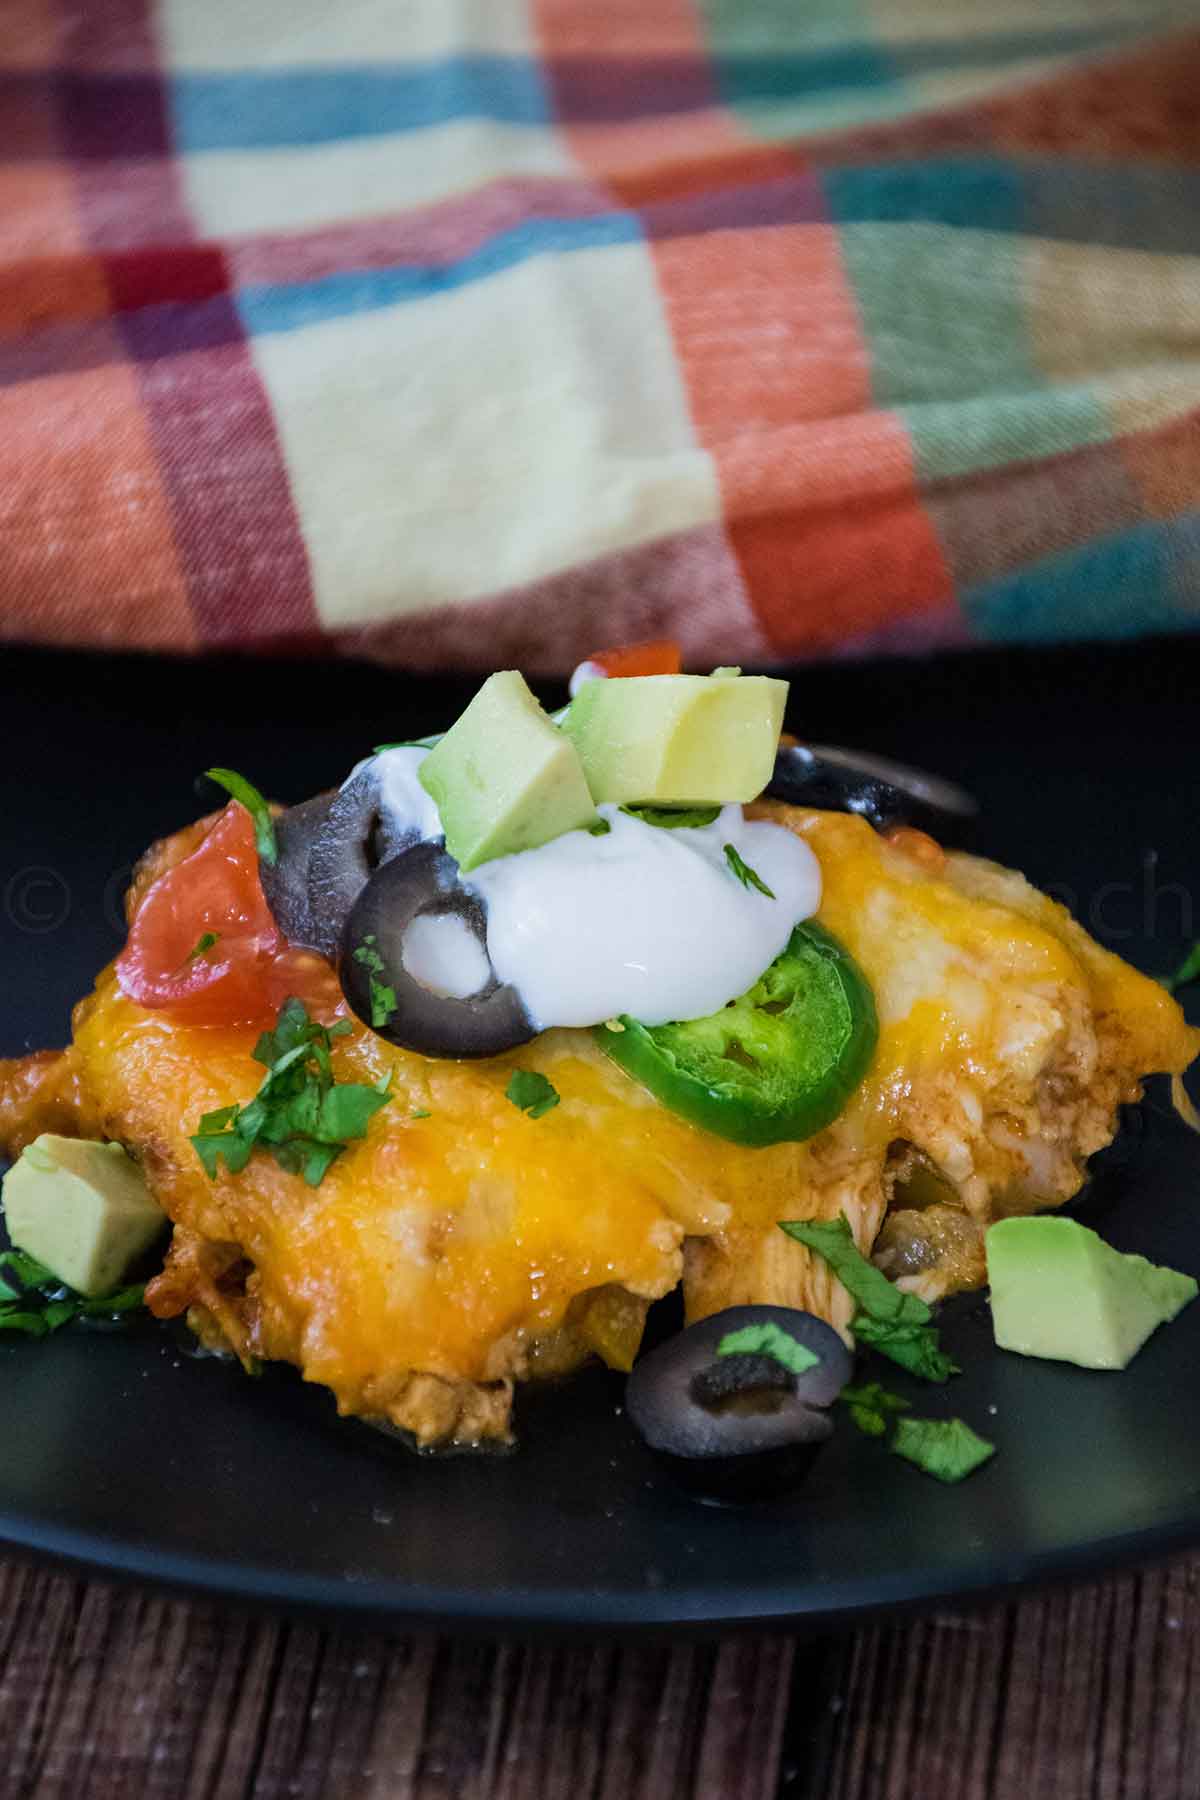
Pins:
x: 394, y: 1605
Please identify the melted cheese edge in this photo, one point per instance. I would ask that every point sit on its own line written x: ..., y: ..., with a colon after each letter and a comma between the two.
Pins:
x: 448, y: 1243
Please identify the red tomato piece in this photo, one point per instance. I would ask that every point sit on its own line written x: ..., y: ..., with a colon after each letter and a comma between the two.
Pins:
x: 661, y: 656
x: 246, y: 973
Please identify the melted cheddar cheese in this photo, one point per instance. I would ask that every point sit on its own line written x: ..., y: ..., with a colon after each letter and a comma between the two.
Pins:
x: 446, y: 1255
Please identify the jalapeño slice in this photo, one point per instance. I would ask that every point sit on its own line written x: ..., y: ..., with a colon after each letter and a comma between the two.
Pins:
x: 775, y: 1066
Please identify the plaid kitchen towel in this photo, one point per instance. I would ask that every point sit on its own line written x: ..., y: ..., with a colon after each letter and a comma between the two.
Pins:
x: 478, y: 331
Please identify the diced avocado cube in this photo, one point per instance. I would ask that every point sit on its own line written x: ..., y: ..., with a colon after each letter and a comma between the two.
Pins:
x: 504, y: 778
x: 678, y: 740
x: 82, y: 1208
x: 1060, y: 1291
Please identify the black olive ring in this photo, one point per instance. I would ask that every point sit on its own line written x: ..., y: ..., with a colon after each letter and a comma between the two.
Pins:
x: 423, y: 882
x: 738, y: 1426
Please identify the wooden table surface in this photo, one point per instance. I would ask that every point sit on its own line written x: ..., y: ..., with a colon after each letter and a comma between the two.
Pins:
x: 1087, y: 1693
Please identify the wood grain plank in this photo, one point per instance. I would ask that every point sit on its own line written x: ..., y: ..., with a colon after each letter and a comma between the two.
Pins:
x: 108, y: 1692
x: 1086, y: 1694
x: 1089, y: 1693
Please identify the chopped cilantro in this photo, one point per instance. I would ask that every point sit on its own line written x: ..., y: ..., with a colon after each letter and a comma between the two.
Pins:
x: 300, y: 1115
x: 212, y: 1142
x: 383, y: 997
x: 383, y: 1002
x: 38, y: 1303
x: 1188, y: 970
x: 898, y: 1325
x: 28, y: 1271
x: 204, y: 943
x: 947, y: 1449
x: 769, y: 1340
x: 914, y: 1347
x: 293, y: 1030
x: 126, y: 1299
x: 895, y: 1323
x: 745, y: 874
x: 674, y: 818
x: 871, y: 1407
x: 419, y: 1112
x: 600, y: 829
x: 33, y: 1324
x: 247, y: 795
x: 531, y: 1092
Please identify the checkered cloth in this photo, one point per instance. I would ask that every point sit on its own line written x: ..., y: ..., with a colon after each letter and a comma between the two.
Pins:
x: 478, y: 331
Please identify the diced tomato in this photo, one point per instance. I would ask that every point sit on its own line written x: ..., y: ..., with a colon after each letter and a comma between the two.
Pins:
x: 659, y: 657
x: 247, y: 970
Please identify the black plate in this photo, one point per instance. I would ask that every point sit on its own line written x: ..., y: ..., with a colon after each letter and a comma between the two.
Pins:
x: 124, y: 1453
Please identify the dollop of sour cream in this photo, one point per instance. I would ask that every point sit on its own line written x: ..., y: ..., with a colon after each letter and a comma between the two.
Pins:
x: 643, y: 919
x: 402, y: 799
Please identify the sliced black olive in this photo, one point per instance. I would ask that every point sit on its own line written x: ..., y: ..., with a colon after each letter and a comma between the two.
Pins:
x: 886, y: 793
x: 738, y: 1426
x: 422, y: 882
x: 356, y: 838
x: 285, y: 882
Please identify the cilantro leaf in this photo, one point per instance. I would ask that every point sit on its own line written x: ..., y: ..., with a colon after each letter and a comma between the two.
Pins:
x: 745, y: 874
x: 419, y: 1112
x: 215, y: 1144
x: 871, y: 1407
x: 914, y: 1347
x: 59, y: 1312
x: 947, y: 1449
x: 675, y: 818
x: 769, y: 1340
x: 1188, y: 970
x: 126, y: 1299
x: 345, y: 1110
x: 868, y: 1286
x: 31, y: 1323
x: 203, y: 945
x: 531, y: 1092
x: 247, y: 795
x: 293, y: 1030
x: 28, y: 1271
x: 300, y: 1114
x: 44, y: 1303
x: 894, y: 1323
x: 383, y: 997
x: 383, y: 1001
x: 302, y: 1155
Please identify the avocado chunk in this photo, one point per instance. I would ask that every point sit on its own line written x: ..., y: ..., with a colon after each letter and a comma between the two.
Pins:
x: 1060, y: 1291
x: 678, y: 740
x: 504, y: 778
x: 82, y: 1208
